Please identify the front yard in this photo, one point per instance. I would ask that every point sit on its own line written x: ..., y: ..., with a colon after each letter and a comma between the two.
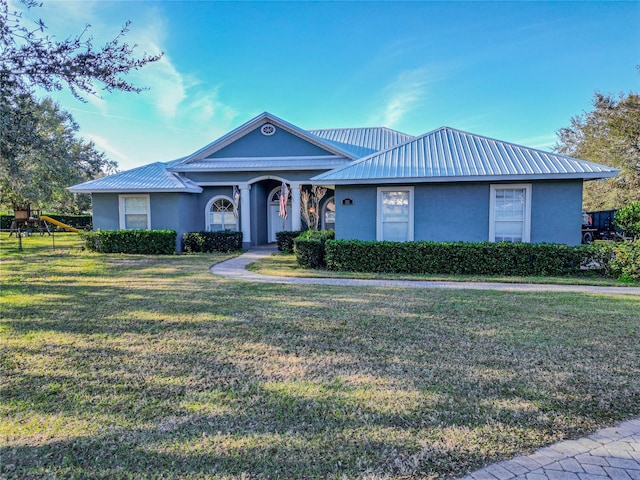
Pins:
x: 123, y: 366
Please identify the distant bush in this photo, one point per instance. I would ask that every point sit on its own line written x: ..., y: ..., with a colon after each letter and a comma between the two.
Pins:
x: 148, y: 242
x: 309, y: 248
x: 225, y: 241
x: 460, y: 258
x: 285, y: 238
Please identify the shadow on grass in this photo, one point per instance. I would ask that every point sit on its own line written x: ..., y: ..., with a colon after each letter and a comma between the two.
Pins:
x: 172, y: 374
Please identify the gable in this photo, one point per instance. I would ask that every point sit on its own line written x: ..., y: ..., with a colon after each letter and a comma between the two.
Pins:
x: 280, y: 144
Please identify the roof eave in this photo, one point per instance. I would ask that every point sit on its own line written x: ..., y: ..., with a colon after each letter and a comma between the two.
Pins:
x: 467, y: 178
x: 194, y: 189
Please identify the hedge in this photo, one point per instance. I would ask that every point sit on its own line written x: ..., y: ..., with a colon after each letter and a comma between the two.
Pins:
x: 625, y: 263
x: 81, y: 222
x: 526, y: 259
x: 226, y: 241
x: 148, y: 242
x: 309, y: 248
x: 285, y: 240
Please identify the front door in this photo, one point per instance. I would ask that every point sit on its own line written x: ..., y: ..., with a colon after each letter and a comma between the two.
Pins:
x: 276, y: 222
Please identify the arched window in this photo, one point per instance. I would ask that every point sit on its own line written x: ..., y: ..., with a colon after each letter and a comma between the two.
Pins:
x: 329, y: 215
x: 221, y: 215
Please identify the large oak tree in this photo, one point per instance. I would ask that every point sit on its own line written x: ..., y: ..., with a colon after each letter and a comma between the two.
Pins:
x: 40, y: 153
x: 609, y: 134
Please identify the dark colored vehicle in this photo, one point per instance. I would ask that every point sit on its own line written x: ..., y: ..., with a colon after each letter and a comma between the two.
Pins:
x: 599, y: 226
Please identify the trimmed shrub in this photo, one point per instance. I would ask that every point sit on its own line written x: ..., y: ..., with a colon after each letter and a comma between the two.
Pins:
x: 207, y: 242
x: 285, y: 240
x: 148, y: 242
x: 460, y: 258
x: 625, y: 263
x: 309, y: 248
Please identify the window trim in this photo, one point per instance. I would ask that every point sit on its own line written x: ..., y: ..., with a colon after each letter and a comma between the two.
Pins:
x: 207, y: 212
x: 379, y: 224
x: 121, y: 213
x: 526, y: 230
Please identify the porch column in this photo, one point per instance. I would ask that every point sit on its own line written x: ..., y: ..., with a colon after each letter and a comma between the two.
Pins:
x: 296, y: 224
x: 245, y: 215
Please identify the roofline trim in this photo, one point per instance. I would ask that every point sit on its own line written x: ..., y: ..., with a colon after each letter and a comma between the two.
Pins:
x: 251, y: 125
x: 465, y: 178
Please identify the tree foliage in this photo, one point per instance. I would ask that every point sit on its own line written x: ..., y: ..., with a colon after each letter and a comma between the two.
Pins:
x: 610, y: 134
x: 628, y: 219
x: 38, y: 171
x: 34, y: 166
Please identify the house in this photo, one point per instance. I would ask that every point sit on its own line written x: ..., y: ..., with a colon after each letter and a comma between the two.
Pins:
x: 446, y: 185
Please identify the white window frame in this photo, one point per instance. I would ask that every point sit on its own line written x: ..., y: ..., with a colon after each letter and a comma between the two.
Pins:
x: 122, y: 218
x: 207, y: 212
x: 526, y: 233
x: 379, y: 224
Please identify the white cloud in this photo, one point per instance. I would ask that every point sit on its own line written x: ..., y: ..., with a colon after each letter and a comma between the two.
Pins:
x: 407, y: 91
x: 103, y: 144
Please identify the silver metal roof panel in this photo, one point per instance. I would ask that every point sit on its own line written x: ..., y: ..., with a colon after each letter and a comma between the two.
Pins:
x: 447, y: 154
x: 362, y: 141
x: 148, y: 178
x: 262, y: 164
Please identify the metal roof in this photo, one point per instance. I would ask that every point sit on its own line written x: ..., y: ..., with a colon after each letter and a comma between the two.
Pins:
x: 248, y: 164
x: 447, y: 154
x: 363, y: 141
x: 148, y: 178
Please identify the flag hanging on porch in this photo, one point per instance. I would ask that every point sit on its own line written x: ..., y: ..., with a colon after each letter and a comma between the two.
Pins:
x: 284, y: 195
x: 236, y: 200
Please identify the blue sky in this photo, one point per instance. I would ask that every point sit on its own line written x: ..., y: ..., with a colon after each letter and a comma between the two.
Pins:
x: 513, y: 71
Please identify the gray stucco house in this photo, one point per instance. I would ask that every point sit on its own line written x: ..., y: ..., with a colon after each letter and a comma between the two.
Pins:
x: 446, y: 185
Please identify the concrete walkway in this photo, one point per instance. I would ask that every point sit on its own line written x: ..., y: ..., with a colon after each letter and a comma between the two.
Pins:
x: 236, y: 269
x: 611, y: 453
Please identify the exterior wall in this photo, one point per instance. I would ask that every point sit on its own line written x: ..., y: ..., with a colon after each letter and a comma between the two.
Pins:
x: 280, y: 144
x: 556, y: 212
x: 105, y: 211
x: 358, y: 220
x: 460, y: 212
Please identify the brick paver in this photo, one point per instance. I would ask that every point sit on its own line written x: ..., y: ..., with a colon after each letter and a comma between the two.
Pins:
x: 603, y: 455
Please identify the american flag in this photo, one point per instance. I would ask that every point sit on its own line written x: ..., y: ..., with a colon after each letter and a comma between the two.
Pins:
x: 236, y: 200
x: 284, y: 195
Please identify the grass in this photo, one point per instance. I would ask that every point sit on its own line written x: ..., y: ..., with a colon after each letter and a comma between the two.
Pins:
x: 285, y: 265
x: 123, y: 366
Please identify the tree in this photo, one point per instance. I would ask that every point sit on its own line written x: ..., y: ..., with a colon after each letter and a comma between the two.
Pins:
x: 610, y: 134
x: 29, y: 128
x: 310, y: 206
x: 628, y: 220
x: 54, y: 158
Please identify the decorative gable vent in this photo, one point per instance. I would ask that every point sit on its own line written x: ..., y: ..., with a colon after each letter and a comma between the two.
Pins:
x: 268, y: 129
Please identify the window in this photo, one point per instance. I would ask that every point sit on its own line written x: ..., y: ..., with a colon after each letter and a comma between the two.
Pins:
x: 510, y: 213
x: 395, y: 214
x: 221, y: 215
x: 329, y: 217
x: 134, y: 212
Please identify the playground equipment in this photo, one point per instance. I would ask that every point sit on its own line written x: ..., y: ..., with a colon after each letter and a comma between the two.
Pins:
x: 53, y: 221
x: 27, y: 220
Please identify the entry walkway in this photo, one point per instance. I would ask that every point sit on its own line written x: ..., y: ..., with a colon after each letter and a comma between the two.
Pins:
x: 236, y: 269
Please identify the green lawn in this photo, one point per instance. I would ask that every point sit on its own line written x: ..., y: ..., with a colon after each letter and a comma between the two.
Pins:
x: 134, y: 367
